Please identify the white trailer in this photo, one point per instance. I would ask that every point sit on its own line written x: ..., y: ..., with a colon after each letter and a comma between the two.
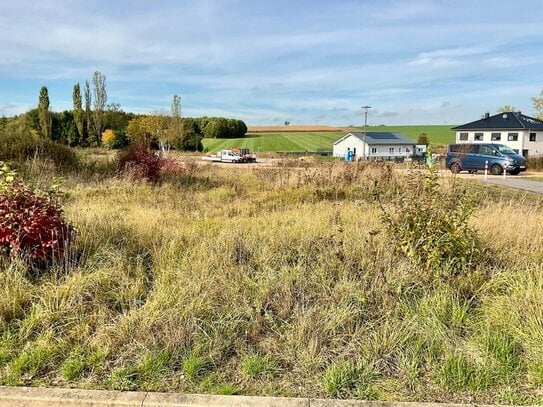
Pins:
x: 224, y: 156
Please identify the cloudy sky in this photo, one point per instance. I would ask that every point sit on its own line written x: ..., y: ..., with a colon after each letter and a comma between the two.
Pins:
x: 267, y: 61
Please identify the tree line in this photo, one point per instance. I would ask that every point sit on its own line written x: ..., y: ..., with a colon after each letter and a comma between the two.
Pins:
x: 94, y: 122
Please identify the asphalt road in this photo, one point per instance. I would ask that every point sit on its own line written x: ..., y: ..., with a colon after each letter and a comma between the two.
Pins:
x: 516, y: 182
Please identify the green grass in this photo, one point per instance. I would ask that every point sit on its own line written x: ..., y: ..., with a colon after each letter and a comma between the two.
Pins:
x: 272, y: 142
x: 313, y: 141
x: 438, y: 135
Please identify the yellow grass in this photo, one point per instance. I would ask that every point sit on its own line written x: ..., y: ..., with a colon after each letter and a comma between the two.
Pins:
x: 276, y: 281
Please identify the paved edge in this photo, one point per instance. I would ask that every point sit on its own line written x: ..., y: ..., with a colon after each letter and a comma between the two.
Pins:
x: 49, y: 397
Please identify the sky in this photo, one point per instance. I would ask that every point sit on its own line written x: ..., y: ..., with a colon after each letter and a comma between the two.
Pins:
x: 271, y: 61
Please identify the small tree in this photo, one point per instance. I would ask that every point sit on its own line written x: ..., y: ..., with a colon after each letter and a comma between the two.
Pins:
x: 538, y: 105
x: 175, y: 132
x: 79, y: 118
x: 423, y: 139
x: 44, y: 114
x: 87, y: 129
x: 108, y: 138
x: 100, y: 98
x: 506, y: 108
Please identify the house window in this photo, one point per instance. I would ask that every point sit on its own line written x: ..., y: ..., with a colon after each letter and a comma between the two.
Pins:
x: 374, y: 150
x: 512, y: 137
x: 478, y: 137
x: 532, y: 137
x: 391, y: 150
x: 463, y: 136
x: 399, y: 149
x: 495, y: 136
x: 407, y: 150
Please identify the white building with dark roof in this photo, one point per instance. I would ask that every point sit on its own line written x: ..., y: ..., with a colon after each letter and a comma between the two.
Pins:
x: 522, y: 133
x: 373, y: 145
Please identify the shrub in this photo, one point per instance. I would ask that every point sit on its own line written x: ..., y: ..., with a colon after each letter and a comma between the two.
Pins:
x: 24, y: 146
x: 108, y: 138
x: 62, y: 156
x: 140, y: 163
x: 172, y: 166
x: 535, y: 163
x: 430, y: 225
x: 32, y: 227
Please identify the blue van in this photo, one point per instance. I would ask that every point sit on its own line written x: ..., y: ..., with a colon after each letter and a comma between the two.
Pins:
x: 474, y: 157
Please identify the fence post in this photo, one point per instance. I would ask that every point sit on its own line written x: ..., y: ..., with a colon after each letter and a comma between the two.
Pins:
x: 486, y: 169
x: 504, y: 172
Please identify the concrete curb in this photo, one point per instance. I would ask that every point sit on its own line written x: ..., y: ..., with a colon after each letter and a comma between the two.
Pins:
x: 49, y: 397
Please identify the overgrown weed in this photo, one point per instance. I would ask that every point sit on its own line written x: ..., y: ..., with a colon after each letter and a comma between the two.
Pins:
x: 277, y: 281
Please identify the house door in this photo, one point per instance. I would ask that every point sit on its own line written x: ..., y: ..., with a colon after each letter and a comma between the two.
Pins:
x: 354, y: 153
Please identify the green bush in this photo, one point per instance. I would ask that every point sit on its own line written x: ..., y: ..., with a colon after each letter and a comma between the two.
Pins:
x: 23, y: 146
x: 429, y: 224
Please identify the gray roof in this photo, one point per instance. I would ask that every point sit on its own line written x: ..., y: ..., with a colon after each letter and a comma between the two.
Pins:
x: 379, y: 138
x: 503, y: 121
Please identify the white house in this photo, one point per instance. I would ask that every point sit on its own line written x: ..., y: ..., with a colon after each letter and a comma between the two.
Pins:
x: 372, y: 146
x: 522, y: 133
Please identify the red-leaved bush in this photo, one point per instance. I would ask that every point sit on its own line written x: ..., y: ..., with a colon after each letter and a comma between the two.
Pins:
x: 140, y: 163
x: 32, y: 227
x: 172, y: 166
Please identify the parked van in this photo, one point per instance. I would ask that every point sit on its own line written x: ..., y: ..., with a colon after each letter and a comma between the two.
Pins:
x: 474, y: 157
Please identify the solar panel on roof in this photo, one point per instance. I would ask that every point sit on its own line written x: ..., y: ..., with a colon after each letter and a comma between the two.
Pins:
x: 382, y: 136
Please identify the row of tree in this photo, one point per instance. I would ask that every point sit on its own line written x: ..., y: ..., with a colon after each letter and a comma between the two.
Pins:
x: 93, y: 122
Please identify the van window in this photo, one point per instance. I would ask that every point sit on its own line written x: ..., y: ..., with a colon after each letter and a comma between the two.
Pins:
x: 504, y: 149
x: 487, y: 150
x: 462, y: 148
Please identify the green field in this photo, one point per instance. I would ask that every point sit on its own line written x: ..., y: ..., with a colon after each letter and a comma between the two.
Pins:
x: 437, y: 134
x: 295, y: 141
x: 313, y: 141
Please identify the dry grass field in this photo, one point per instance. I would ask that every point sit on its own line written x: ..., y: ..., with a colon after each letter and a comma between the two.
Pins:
x: 280, y: 280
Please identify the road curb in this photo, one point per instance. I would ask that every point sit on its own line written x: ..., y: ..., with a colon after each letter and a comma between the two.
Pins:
x: 52, y: 397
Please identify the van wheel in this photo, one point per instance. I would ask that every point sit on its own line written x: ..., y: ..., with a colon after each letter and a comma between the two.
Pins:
x: 455, y: 168
x: 496, y: 169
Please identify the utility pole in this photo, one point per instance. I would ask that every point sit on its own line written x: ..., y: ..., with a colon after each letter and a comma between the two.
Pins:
x: 365, y: 129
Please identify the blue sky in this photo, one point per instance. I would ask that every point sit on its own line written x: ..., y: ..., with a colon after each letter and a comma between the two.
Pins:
x: 308, y: 62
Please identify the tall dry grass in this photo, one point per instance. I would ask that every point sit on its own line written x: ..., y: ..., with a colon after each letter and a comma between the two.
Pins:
x: 275, y: 281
